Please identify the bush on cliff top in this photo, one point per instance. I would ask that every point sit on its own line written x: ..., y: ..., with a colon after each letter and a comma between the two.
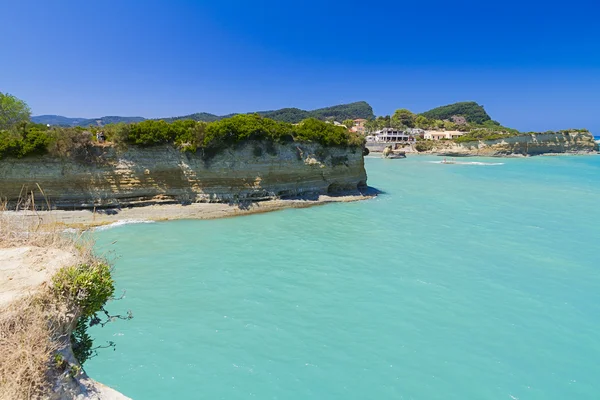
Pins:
x: 192, y: 135
x: 189, y: 135
x: 29, y: 139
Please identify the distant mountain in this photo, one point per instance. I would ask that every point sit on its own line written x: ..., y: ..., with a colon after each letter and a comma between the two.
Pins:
x: 58, y: 120
x: 360, y: 109
x: 206, y: 117
x: 472, y: 111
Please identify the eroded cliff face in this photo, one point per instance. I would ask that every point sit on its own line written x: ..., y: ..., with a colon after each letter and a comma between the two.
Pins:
x: 249, y: 172
x: 526, y: 145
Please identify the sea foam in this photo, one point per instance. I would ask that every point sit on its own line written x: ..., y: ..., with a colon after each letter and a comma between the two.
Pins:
x: 123, y: 222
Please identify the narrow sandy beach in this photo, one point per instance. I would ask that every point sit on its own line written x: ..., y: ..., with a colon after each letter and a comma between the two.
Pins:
x: 81, y: 219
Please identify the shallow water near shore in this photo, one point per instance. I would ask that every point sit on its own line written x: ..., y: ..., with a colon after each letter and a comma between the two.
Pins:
x: 458, y: 282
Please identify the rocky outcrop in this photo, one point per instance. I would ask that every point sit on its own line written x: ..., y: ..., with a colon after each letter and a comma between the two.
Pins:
x: 525, y: 145
x: 35, y: 329
x: 253, y: 171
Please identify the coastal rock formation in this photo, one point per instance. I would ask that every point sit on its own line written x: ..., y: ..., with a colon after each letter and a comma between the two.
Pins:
x: 525, y: 145
x: 252, y: 171
x: 25, y: 275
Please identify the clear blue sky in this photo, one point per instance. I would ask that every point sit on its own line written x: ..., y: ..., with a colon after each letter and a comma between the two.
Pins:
x: 534, y: 65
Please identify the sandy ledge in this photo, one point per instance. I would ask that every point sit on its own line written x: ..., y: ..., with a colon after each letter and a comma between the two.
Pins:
x: 81, y: 219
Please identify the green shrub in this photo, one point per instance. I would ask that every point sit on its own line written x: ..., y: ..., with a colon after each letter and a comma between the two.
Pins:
x: 89, y: 287
x: 245, y: 127
x: 314, y: 130
x: 188, y: 135
x: 66, y: 142
x: 81, y: 341
x: 27, y: 139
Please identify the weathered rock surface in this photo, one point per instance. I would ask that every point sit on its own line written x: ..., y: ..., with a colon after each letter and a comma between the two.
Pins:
x: 137, y: 176
x: 525, y: 145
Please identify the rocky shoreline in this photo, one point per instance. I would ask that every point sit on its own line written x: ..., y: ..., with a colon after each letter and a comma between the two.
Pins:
x: 524, y: 145
x: 576, y: 143
x: 86, y: 218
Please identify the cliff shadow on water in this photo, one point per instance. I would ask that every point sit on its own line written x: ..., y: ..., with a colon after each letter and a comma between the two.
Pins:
x: 103, y: 176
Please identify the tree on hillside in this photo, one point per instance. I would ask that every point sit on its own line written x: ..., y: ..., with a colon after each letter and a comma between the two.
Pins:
x: 12, y: 111
x: 349, y: 123
x: 422, y: 122
x: 383, y: 122
x: 371, y: 126
x: 450, y: 126
x: 403, y: 118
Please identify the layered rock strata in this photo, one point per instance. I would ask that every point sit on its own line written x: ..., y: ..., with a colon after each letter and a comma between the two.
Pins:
x: 253, y: 171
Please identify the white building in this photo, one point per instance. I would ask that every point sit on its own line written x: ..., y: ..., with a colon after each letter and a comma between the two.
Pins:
x: 391, y: 135
x: 439, y: 135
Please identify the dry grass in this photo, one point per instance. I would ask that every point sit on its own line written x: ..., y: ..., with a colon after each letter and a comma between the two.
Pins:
x: 23, y: 226
x: 31, y: 330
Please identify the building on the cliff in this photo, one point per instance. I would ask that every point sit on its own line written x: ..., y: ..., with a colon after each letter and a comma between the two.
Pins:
x: 359, y: 126
x: 391, y: 135
x: 439, y: 135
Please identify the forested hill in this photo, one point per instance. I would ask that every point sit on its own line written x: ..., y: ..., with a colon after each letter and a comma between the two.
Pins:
x: 472, y: 112
x: 360, y: 109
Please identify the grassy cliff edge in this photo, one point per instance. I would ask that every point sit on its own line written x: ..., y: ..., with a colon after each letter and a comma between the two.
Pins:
x: 51, y: 288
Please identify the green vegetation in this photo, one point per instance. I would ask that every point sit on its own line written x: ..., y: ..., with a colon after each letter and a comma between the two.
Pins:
x: 22, y: 138
x: 210, y: 133
x: 188, y: 135
x: 290, y: 115
x: 467, y: 117
x: 487, y: 131
x: 473, y: 112
x: 192, y: 136
x: 204, y: 117
x: 359, y: 109
x: 348, y: 123
x: 403, y: 118
x: 13, y: 111
x: 31, y: 139
x: 87, y: 288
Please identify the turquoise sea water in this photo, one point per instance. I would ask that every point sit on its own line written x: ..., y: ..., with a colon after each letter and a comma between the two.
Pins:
x: 459, y: 282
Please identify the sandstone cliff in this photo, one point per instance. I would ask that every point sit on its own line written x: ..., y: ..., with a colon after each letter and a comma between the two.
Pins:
x: 252, y: 171
x: 525, y: 145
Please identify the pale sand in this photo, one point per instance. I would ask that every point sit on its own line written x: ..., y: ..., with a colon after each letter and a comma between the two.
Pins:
x: 81, y: 219
x: 24, y: 269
